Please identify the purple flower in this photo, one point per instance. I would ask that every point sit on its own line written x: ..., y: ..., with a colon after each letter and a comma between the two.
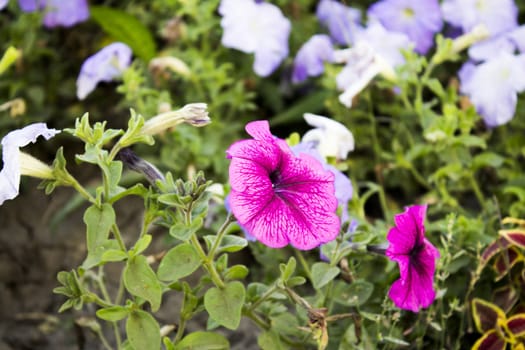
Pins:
x: 497, y: 15
x: 311, y: 57
x: 509, y: 42
x: 3, y: 3
x: 65, y: 13
x: 416, y: 258
x: 105, y: 65
x: 258, y: 28
x: 17, y: 163
x: 342, y: 21
x: 493, y: 86
x: 418, y: 19
x: 278, y: 197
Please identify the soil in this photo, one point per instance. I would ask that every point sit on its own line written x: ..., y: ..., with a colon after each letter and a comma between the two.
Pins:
x: 31, y: 255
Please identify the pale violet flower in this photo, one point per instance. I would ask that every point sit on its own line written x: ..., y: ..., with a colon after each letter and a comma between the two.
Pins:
x: 332, y: 139
x: 3, y: 3
x: 256, y: 27
x: 311, y: 57
x: 493, y: 85
x: 418, y: 19
x: 342, y: 21
x: 17, y: 163
x: 504, y: 42
x: 497, y: 15
x: 376, y: 51
x: 106, y: 65
x: 65, y: 13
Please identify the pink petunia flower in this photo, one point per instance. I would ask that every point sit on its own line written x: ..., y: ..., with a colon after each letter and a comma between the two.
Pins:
x: 278, y: 197
x: 416, y: 258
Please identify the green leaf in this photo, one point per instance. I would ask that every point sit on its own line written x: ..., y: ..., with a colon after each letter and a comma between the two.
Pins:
x: 183, y: 232
x: 9, y: 57
x: 229, y: 243
x: 178, y: 262
x: 143, y: 331
x: 236, y: 272
x: 322, y: 273
x: 125, y: 28
x: 96, y: 257
x: 141, y: 281
x: 487, y: 159
x: 288, y: 270
x: 354, y: 294
x: 114, y: 255
x: 225, y: 305
x: 203, y: 341
x: 270, y: 340
x: 142, y: 244
x: 113, y: 314
x: 98, y: 223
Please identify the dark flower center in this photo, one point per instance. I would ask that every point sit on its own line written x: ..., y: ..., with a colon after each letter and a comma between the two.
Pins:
x: 275, y: 177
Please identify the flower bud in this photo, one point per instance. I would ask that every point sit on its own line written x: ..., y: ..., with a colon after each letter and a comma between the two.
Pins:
x: 195, y: 114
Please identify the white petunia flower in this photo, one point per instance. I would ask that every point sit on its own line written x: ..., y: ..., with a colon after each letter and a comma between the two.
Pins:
x: 332, y: 138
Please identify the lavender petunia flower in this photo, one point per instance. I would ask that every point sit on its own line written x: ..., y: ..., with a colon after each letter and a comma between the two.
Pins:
x: 332, y: 139
x: 278, y: 197
x: 493, y: 86
x: 418, y: 19
x: 17, y: 163
x: 497, y: 15
x: 3, y: 3
x: 416, y: 258
x: 105, y: 65
x: 58, y: 12
x: 509, y: 42
x: 342, y: 21
x: 311, y: 57
x: 256, y: 27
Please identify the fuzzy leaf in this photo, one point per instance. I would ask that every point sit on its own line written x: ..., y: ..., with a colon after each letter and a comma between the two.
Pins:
x: 489, y: 341
x: 141, y: 281
x: 322, y: 273
x: 203, y: 341
x: 115, y: 313
x: 225, y: 305
x: 486, y: 314
x: 179, y: 262
x: 143, y: 331
x: 516, y: 325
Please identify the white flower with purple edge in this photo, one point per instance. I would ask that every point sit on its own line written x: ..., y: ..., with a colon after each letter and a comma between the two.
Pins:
x: 256, y: 27
x: 17, y: 163
x: 65, y: 13
x: 493, y: 85
x: 311, y: 57
x: 106, y: 65
x: 418, y: 19
x: 342, y: 21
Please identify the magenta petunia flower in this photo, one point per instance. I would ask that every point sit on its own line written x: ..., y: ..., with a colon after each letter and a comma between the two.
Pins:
x: 418, y: 19
x: 65, y: 13
x: 416, y: 258
x: 278, y: 197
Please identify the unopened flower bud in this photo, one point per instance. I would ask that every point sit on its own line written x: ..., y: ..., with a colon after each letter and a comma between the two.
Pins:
x: 478, y: 33
x: 169, y: 62
x: 135, y: 163
x: 195, y: 114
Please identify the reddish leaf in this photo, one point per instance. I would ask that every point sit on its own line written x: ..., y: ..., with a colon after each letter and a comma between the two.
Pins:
x: 506, y: 260
x: 516, y: 325
x: 494, y: 248
x: 516, y: 237
x: 490, y: 341
x: 486, y: 314
x: 506, y: 297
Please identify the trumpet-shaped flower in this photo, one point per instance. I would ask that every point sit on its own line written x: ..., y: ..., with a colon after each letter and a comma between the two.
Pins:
x: 342, y: 21
x: 504, y: 42
x: 106, y: 65
x: 278, y: 197
x: 418, y: 19
x: 311, y: 57
x: 58, y: 12
x: 332, y: 139
x: 493, y: 86
x: 497, y: 15
x: 416, y: 258
x: 376, y: 51
x: 256, y: 27
x: 17, y: 163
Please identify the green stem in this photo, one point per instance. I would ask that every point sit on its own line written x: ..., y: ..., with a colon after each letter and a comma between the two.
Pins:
x: 303, y: 263
x: 220, y: 235
x: 71, y: 181
x: 208, y: 264
x: 419, y: 178
x: 257, y: 319
x: 113, y: 153
x: 103, y: 339
x: 477, y: 190
x: 180, y: 330
x: 263, y: 298
x: 382, y: 201
x: 118, y: 237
